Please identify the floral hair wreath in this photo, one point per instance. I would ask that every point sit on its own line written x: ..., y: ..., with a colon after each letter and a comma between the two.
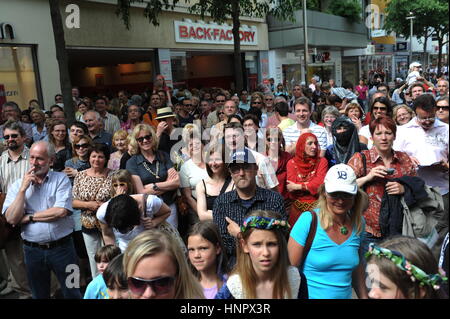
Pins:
x: 415, y: 273
x: 260, y: 222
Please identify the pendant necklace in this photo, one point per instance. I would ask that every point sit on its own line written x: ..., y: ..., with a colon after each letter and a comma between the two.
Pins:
x: 150, y: 171
x: 342, y: 228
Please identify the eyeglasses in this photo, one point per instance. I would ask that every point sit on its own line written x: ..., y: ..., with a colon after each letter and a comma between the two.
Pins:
x: 236, y: 168
x: 78, y: 146
x: 430, y: 119
x: 119, y: 184
x: 443, y: 108
x: 378, y: 108
x: 159, y: 286
x: 269, y: 99
x: 7, y: 137
x: 146, y: 137
x: 220, y: 101
x: 220, y: 113
x: 341, y: 195
x: 256, y: 102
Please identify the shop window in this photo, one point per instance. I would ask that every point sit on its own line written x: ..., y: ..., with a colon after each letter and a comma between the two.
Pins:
x: 17, y: 75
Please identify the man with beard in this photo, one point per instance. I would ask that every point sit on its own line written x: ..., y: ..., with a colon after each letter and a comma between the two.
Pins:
x: 13, y: 166
x: 12, y: 112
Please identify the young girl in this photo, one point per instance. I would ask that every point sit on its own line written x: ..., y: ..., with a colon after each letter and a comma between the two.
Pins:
x: 403, y: 268
x: 115, y: 279
x: 262, y: 270
x: 97, y: 287
x: 207, y: 257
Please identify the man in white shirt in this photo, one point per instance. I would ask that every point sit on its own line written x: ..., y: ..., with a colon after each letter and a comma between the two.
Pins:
x: 303, y: 110
x: 426, y: 139
x: 111, y: 123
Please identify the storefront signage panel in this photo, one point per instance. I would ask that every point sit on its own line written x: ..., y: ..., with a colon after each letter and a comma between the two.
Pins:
x: 192, y: 32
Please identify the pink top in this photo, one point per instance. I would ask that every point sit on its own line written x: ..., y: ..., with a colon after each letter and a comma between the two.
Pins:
x: 362, y: 91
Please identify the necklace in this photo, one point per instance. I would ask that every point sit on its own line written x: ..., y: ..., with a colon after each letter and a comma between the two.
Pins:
x: 150, y: 171
x: 342, y: 228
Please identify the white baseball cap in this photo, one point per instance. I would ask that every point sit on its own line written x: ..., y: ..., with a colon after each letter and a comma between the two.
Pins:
x: 414, y: 64
x: 341, y: 178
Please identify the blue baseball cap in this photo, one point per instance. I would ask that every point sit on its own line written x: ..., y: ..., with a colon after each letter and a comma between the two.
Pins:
x: 241, y: 156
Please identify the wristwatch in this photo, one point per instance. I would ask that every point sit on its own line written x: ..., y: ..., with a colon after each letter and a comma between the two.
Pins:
x: 31, y: 219
x: 155, y: 187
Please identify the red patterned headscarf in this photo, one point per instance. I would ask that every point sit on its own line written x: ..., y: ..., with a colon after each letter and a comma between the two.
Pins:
x: 306, y: 164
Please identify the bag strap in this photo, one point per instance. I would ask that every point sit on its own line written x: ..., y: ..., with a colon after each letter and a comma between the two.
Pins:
x: 310, y: 238
x: 145, y: 204
x: 225, y: 185
x: 364, y: 161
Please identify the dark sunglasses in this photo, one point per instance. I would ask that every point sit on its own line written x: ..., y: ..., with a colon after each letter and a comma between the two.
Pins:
x: 341, y: 195
x: 444, y: 107
x: 78, y: 146
x: 379, y: 108
x: 236, y: 168
x: 119, y: 184
x: 187, y: 104
x: 220, y: 101
x: 7, y: 137
x: 256, y: 103
x: 159, y: 286
x: 146, y: 137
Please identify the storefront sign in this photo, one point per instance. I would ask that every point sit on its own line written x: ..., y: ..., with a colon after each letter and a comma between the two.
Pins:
x: 191, y: 32
x: 321, y: 57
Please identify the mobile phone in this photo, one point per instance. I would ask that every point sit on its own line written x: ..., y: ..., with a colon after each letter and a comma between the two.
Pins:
x: 390, y: 171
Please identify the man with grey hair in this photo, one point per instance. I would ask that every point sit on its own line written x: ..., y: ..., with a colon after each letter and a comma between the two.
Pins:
x: 11, y: 111
x: 442, y: 88
x: 13, y: 166
x: 41, y: 202
x: 95, y: 127
x: 111, y: 123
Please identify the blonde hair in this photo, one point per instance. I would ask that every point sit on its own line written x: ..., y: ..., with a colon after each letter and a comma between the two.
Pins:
x: 402, y: 106
x: 37, y: 111
x: 359, y: 206
x: 134, y: 143
x: 152, y: 242
x: 119, y: 134
x: 244, y: 266
x: 122, y: 175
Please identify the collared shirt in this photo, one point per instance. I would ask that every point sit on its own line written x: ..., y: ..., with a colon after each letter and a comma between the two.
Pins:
x: 42, y: 136
x: 103, y: 137
x: 244, y: 106
x: 429, y: 147
x: 375, y: 188
x: 55, y: 191
x: 111, y: 123
x: 292, y: 133
x: 232, y: 206
x: 11, y: 171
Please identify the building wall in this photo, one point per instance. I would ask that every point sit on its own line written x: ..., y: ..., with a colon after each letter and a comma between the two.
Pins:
x: 32, y: 24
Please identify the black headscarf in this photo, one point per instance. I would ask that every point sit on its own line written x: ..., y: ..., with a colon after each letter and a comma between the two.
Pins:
x: 346, y: 143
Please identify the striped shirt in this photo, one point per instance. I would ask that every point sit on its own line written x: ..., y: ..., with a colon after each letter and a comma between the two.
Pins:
x: 232, y: 206
x: 111, y: 123
x: 292, y: 133
x: 11, y: 171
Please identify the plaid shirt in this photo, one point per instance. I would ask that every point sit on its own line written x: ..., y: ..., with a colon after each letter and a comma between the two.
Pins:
x: 230, y: 205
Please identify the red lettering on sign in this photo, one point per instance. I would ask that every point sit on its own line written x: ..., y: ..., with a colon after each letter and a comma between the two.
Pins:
x: 207, y: 34
x: 216, y: 33
x: 199, y: 33
x: 183, y: 31
x: 222, y: 35
x: 192, y: 32
x: 252, y: 35
x: 230, y: 35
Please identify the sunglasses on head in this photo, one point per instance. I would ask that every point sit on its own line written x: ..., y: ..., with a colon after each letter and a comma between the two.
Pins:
x: 7, y: 137
x: 159, y: 286
x: 341, y: 195
x: 84, y: 145
x: 146, y: 137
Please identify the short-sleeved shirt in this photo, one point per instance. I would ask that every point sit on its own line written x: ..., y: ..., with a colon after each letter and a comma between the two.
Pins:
x: 328, y: 267
x: 55, y: 191
x: 104, y: 138
x: 375, y: 188
x: 292, y: 133
x: 96, y: 289
x: 153, y: 206
x: 138, y: 165
x: 230, y: 205
x: 365, y: 131
x: 191, y: 175
x: 42, y: 136
x: 429, y: 147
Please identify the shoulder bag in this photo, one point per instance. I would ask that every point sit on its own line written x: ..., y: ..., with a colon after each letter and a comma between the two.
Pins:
x: 310, y: 238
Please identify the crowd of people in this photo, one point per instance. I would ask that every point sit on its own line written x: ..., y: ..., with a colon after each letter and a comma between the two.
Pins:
x: 209, y: 193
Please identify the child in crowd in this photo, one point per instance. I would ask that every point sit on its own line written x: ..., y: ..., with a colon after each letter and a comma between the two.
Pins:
x: 97, y: 288
x: 207, y: 257
x: 262, y: 270
x: 116, y: 280
x: 403, y: 268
